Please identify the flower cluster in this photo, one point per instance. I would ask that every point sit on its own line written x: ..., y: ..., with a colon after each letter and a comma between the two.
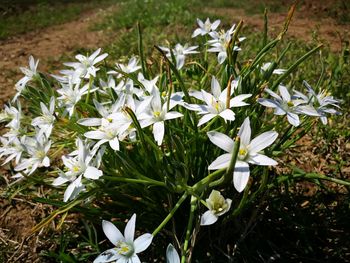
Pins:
x: 82, y: 122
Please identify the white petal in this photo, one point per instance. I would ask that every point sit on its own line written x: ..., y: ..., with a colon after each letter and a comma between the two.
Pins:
x: 228, y: 115
x: 221, y: 57
x: 97, y: 135
x: 208, y: 218
x: 260, y: 159
x: 171, y: 255
x: 267, y: 103
x: 112, y: 232
x: 215, y: 87
x: 92, y: 173
x: 90, y: 122
x: 196, y: 32
x: 114, y: 144
x: 172, y: 115
x: 284, y: 93
x: 221, y: 140
x: 59, y: 181
x: 68, y: 192
x: 262, y: 141
x: 46, y: 161
x: 223, y: 161
x: 107, y: 256
x: 245, y: 132
x: 238, y: 100
x: 215, y: 24
x: 293, y: 119
x: 129, y: 231
x: 158, y: 132
x: 180, y: 61
x: 241, y: 175
x: 206, y: 118
x: 142, y: 242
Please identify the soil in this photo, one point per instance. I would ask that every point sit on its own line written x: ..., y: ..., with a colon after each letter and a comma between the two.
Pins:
x: 303, y: 25
x: 18, y: 217
x: 47, y: 45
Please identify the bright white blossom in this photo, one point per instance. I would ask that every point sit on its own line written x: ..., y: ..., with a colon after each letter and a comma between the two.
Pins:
x: 71, y: 95
x: 126, y: 247
x: 285, y: 105
x: 29, y: 74
x: 206, y: 27
x: 132, y: 66
x: 46, y: 120
x: 86, y: 65
x: 79, y: 164
x: 220, y: 42
x: 217, y: 206
x: 37, y: 149
x: 323, y: 103
x: 180, y: 53
x: 248, y: 152
x: 216, y: 103
x: 157, y: 115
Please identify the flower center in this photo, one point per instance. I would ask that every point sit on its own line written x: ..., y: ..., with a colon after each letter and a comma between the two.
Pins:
x: 242, y: 153
x: 40, y: 154
x: 76, y: 169
x: 124, y: 248
x: 156, y: 114
x: 290, y: 104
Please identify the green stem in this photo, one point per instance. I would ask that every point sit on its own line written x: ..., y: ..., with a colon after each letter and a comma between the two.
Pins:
x: 133, y: 180
x: 294, y: 66
x: 89, y: 88
x: 170, y: 215
x: 203, y: 183
x: 189, y: 228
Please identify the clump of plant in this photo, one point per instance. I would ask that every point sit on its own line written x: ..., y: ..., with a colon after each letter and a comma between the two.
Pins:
x: 195, y: 130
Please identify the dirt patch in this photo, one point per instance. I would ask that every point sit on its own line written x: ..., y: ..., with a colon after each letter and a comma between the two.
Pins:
x: 303, y: 25
x: 48, y: 45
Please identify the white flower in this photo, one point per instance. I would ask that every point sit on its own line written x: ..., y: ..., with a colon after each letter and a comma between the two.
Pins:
x: 148, y: 84
x: 248, y: 152
x: 71, y: 95
x: 171, y: 255
x: 321, y: 103
x: 220, y: 43
x: 46, y: 120
x: 217, y: 205
x: 285, y: 105
x: 29, y: 73
x: 85, y: 67
x: 78, y: 166
x: 11, y: 114
x: 126, y: 91
x: 206, y: 27
x: 131, y: 67
x: 180, y: 53
x: 12, y: 149
x: 108, y: 132
x: 37, y: 149
x: 216, y: 103
x: 126, y: 247
x: 157, y: 114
